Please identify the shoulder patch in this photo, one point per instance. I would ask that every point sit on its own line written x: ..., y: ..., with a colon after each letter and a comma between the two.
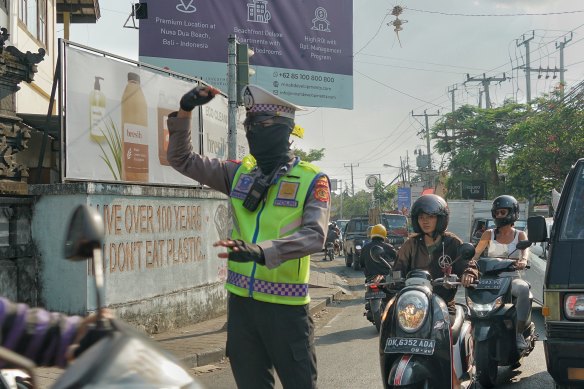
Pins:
x: 321, y: 190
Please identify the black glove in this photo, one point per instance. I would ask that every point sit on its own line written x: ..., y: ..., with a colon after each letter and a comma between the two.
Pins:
x: 94, y: 335
x: 247, y: 252
x: 197, y: 96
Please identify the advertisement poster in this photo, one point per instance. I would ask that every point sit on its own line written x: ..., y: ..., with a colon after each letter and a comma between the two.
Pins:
x: 116, y: 121
x: 404, y: 200
x: 303, y: 49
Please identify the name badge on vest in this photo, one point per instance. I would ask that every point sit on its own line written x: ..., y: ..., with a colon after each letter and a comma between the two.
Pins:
x: 287, y: 194
x: 242, y: 187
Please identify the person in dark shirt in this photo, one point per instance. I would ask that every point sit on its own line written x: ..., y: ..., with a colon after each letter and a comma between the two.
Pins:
x: 374, y: 268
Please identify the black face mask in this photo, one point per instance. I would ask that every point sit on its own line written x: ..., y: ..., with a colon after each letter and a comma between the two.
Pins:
x: 269, y: 145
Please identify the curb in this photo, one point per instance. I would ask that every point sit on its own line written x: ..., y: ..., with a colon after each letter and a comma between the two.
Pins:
x: 215, y: 355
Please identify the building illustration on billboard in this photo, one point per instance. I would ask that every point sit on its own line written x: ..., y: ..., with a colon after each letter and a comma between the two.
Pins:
x: 320, y: 22
x: 257, y: 11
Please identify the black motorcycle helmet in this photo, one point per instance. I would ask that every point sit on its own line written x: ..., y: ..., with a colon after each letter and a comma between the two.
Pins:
x: 430, y: 204
x: 509, y: 203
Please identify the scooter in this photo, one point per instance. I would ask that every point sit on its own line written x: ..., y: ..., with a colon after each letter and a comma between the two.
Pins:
x: 122, y: 357
x: 329, y: 251
x: 377, y: 291
x: 419, y: 347
x: 494, y: 318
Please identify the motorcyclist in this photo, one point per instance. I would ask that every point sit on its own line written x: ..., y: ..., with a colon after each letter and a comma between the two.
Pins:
x: 434, y: 249
x: 47, y: 338
x: 501, y: 242
x: 373, y: 269
x: 333, y: 235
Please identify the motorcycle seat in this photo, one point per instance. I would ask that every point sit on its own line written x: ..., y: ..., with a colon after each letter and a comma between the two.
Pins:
x: 456, y: 325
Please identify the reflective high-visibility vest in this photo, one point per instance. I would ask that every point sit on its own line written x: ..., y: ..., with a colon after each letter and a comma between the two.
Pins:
x: 278, y: 215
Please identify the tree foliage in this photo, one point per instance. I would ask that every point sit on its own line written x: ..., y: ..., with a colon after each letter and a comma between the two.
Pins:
x: 310, y: 156
x: 533, y: 145
x: 479, y: 142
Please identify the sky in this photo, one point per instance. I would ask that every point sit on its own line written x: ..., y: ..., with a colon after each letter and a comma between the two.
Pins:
x: 441, y: 42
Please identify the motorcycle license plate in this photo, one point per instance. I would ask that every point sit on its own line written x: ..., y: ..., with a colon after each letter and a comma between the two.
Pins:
x: 410, y: 346
x: 374, y: 295
x: 490, y: 283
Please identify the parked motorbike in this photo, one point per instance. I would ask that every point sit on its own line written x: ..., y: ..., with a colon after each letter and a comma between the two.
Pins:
x: 494, y: 318
x: 329, y: 251
x: 419, y: 345
x: 122, y: 357
x: 377, y: 291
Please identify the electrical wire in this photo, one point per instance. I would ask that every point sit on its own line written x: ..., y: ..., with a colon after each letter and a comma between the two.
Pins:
x: 495, y: 15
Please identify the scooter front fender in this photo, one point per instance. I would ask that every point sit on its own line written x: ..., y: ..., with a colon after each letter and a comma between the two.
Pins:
x: 375, y: 305
x: 410, y: 370
x: 482, y: 331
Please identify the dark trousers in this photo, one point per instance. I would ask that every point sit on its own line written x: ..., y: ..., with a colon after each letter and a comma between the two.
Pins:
x: 263, y: 336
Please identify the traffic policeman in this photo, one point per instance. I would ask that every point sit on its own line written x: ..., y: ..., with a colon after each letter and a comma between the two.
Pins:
x: 280, y: 209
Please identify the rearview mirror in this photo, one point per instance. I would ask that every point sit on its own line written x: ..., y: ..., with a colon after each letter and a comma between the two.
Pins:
x: 466, y: 251
x: 523, y: 244
x: 85, y: 233
x: 376, y: 253
x: 536, y: 229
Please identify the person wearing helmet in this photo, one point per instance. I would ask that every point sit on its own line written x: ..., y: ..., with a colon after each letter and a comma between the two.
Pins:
x: 373, y: 268
x: 280, y: 208
x: 432, y: 248
x: 501, y: 242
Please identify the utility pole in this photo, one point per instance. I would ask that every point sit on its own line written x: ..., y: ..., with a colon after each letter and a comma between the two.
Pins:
x: 352, y: 180
x: 561, y: 46
x: 527, y: 63
x: 451, y: 91
x: 486, y: 81
x: 481, y: 98
x: 426, y: 115
x: 232, y: 98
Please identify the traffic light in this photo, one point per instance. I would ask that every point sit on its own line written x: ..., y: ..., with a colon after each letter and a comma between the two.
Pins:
x: 243, y: 53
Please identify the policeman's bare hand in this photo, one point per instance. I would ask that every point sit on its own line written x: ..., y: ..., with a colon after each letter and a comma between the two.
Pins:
x: 241, y: 251
x: 467, y: 280
x: 197, y: 96
x: 521, y: 264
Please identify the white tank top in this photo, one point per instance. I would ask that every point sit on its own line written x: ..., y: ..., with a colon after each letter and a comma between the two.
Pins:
x: 500, y: 250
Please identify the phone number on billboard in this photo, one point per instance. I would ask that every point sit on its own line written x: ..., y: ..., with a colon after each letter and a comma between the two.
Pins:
x: 300, y: 76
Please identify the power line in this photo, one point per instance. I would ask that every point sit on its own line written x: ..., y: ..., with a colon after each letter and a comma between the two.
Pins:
x: 396, y: 90
x: 494, y: 15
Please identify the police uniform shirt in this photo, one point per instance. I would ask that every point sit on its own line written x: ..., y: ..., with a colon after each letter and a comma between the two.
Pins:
x: 218, y: 174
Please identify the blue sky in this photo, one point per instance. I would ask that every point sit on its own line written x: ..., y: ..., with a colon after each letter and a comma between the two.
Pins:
x: 440, y: 43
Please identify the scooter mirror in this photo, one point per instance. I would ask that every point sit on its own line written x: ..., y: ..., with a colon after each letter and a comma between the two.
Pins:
x: 523, y: 244
x: 85, y: 233
x: 376, y: 253
x: 466, y: 251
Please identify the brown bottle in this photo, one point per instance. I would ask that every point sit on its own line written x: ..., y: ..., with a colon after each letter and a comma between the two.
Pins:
x: 134, y: 132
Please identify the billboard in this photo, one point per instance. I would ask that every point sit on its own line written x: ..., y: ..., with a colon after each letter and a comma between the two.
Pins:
x: 303, y: 48
x: 404, y: 198
x: 115, y: 116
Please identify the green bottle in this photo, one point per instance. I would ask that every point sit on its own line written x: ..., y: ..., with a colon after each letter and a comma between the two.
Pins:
x: 96, y: 112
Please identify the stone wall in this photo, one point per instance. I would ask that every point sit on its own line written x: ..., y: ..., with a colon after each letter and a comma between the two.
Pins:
x: 18, y: 260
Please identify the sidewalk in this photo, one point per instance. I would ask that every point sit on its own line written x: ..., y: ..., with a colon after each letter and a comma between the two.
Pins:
x: 204, y: 343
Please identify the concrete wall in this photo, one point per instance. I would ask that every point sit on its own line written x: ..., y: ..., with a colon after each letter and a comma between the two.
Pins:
x: 160, y: 268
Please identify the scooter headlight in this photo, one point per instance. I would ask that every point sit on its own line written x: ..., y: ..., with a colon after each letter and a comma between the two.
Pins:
x: 482, y: 310
x: 412, y: 308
